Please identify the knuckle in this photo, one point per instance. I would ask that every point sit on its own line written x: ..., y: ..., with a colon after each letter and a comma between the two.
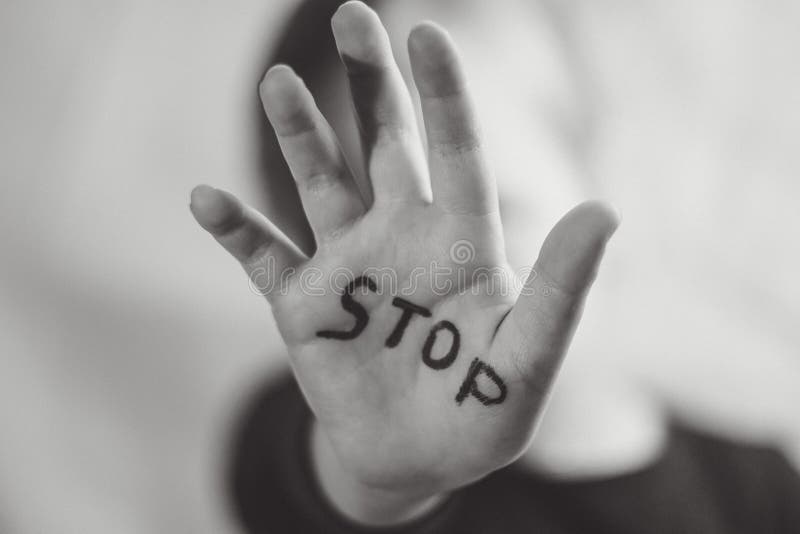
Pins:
x: 318, y: 182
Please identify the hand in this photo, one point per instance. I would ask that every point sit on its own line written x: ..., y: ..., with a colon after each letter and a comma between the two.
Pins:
x: 419, y: 384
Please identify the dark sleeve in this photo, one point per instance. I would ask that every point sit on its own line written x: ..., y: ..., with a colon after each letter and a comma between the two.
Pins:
x: 787, y: 495
x: 272, y: 485
x: 753, y: 486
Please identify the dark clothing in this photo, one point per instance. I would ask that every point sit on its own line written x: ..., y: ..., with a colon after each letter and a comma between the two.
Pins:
x: 700, y: 484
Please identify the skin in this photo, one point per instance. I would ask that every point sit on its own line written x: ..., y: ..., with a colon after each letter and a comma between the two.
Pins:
x: 532, y: 100
x: 389, y: 440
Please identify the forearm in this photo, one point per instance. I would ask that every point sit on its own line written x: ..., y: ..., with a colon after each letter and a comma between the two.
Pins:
x: 360, y: 503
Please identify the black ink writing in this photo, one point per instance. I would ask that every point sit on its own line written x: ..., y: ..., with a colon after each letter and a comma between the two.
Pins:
x: 470, y: 384
x: 447, y: 360
x: 354, y: 308
x: 500, y: 323
x: 409, y: 309
x: 469, y: 387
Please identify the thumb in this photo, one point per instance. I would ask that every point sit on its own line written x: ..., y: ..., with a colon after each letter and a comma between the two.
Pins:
x: 539, y: 328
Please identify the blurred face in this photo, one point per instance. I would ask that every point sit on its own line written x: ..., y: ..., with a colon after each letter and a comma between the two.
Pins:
x: 525, y: 101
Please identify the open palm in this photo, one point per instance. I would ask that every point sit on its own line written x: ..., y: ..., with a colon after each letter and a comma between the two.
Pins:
x: 423, y: 360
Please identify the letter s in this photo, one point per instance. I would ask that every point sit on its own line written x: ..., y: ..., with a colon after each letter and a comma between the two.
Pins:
x: 357, y: 310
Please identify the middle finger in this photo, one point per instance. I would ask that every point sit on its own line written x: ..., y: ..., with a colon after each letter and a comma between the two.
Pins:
x: 393, y: 150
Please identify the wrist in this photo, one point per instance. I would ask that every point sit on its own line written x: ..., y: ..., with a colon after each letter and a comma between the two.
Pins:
x: 357, y: 501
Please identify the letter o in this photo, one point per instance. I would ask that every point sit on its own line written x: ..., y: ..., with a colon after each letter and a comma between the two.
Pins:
x: 448, y: 359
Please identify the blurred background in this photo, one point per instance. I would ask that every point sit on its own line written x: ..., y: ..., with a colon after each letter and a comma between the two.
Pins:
x: 129, y: 341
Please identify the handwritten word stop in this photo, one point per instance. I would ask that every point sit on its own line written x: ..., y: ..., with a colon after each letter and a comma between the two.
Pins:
x: 469, y: 386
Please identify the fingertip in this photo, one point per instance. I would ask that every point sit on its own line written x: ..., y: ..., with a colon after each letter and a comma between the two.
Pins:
x: 359, y: 34
x: 353, y: 6
x: 427, y: 35
x: 434, y: 60
x: 353, y: 12
x: 199, y: 195
x: 215, y: 210
x: 278, y: 82
x: 599, y: 215
x: 573, y: 250
x: 286, y: 100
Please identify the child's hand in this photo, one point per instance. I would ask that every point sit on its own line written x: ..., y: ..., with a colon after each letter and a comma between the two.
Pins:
x: 420, y: 382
